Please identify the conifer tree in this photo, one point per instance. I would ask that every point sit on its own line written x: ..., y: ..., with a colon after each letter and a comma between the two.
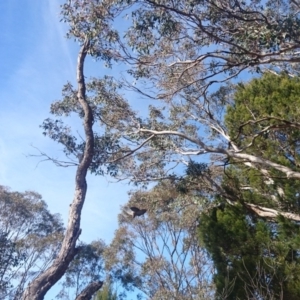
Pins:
x: 257, y: 257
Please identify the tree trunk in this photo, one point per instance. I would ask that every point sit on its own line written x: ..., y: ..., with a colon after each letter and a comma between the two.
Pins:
x: 37, y: 289
x: 90, y: 290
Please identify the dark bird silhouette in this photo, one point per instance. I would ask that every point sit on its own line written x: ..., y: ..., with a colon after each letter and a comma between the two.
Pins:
x: 136, y: 212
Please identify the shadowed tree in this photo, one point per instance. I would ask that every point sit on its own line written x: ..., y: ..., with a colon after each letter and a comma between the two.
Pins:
x: 253, y: 231
x: 30, y: 239
x: 10, y: 258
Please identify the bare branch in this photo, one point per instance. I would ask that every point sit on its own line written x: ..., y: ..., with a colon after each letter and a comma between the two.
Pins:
x: 241, y: 156
x: 133, y: 150
x: 266, y: 212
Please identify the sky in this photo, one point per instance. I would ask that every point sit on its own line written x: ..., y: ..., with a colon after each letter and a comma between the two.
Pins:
x: 36, y: 61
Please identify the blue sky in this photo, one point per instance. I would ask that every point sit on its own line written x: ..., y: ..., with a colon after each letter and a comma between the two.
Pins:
x: 36, y: 60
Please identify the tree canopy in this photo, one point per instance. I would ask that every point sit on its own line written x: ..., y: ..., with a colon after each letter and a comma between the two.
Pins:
x: 30, y: 238
x: 158, y: 253
x: 251, y: 234
x: 238, y: 143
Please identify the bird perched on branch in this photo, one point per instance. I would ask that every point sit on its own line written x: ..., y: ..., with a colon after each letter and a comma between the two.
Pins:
x: 136, y: 212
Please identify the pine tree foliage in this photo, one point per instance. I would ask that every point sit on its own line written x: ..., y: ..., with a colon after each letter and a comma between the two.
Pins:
x: 256, y: 256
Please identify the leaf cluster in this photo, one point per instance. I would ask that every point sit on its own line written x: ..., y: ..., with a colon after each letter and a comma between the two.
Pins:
x: 30, y: 239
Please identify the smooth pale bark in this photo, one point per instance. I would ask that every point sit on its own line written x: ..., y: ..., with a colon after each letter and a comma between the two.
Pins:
x: 37, y: 289
x: 266, y: 212
x: 250, y: 160
x: 261, y: 211
x: 90, y: 290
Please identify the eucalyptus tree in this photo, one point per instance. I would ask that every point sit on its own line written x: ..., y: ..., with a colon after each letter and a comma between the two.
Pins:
x: 95, y: 103
x: 158, y: 253
x: 86, y: 268
x: 186, y: 49
x: 179, y: 52
x: 190, y: 53
x: 30, y: 239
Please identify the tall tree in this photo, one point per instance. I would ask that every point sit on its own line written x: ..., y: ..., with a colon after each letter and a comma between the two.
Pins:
x: 190, y: 122
x: 183, y: 51
x: 93, y: 102
x: 179, y: 49
x: 262, y: 257
x: 158, y: 253
x: 30, y: 238
x: 39, y: 286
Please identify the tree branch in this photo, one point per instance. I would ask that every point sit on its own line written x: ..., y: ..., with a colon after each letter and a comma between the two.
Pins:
x: 266, y: 212
x: 90, y: 290
x: 233, y: 154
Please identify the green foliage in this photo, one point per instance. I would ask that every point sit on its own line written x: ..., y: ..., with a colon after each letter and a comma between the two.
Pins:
x: 106, y: 293
x: 211, y: 38
x: 110, y: 111
x: 254, y: 256
x: 87, y: 267
x: 93, y: 19
x: 193, y: 174
x: 195, y: 169
x: 262, y: 115
x: 263, y: 119
x: 10, y: 259
x: 29, y: 239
